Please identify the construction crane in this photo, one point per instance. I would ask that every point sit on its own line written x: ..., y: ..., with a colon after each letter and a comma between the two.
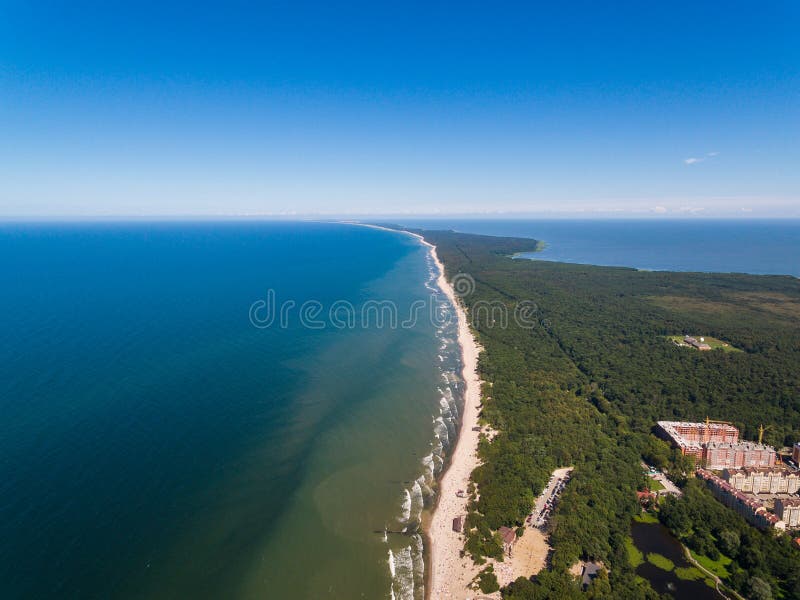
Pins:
x: 761, y: 430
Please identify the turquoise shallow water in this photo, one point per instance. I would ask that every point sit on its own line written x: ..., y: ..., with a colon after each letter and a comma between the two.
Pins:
x: 154, y: 443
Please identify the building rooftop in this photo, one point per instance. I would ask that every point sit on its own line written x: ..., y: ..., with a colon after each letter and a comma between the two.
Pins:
x: 590, y: 571
x: 458, y: 524
x: 739, y: 446
x: 763, y: 470
x: 673, y: 429
x: 509, y: 535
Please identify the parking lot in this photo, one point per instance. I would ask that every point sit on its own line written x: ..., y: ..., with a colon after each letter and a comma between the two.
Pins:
x: 546, y: 502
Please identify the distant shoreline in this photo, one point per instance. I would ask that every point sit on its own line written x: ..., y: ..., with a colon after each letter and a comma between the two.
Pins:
x: 540, y: 246
x: 711, y: 246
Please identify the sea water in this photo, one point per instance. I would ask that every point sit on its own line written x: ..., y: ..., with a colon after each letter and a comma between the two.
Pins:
x: 757, y: 246
x: 161, y: 438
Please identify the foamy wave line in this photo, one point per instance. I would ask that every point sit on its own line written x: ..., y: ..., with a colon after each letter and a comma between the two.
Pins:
x: 406, y: 506
x: 407, y: 565
x: 407, y: 568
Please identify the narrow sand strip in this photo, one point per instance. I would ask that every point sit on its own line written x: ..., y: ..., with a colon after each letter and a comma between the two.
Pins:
x: 449, y: 573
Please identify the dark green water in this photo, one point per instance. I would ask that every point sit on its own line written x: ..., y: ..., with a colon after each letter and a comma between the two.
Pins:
x: 655, y: 538
x: 154, y: 443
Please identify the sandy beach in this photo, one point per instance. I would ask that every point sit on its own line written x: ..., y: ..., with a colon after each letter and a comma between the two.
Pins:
x: 450, y: 574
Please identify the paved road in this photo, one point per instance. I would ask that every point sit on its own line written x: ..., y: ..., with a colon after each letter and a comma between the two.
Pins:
x: 559, y: 476
x: 668, y: 485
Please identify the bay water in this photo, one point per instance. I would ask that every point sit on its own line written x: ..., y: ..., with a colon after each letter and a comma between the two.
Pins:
x: 756, y: 246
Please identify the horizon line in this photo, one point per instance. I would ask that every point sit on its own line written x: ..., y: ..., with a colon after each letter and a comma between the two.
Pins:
x: 358, y: 217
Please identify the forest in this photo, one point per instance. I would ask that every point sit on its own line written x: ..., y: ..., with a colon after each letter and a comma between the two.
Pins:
x: 583, y: 384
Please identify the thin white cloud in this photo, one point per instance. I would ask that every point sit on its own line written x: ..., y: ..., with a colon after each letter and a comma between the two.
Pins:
x: 694, y: 159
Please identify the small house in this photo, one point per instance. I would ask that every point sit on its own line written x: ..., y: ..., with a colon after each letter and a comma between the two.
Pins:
x: 590, y: 572
x: 509, y: 538
x: 458, y: 524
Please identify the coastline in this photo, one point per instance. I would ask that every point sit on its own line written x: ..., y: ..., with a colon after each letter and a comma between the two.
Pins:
x: 447, y: 573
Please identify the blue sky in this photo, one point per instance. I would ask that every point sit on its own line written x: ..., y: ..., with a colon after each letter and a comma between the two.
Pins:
x: 573, y: 108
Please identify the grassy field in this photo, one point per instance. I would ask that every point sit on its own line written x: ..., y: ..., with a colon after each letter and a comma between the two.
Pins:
x: 711, y: 341
x: 660, y: 561
x: 689, y: 573
x: 694, y: 574
x: 747, y: 305
x: 644, y: 517
x: 655, y: 485
x: 718, y: 567
x: 635, y: 556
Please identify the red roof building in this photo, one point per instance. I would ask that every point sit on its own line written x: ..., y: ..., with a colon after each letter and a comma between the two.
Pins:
x: 509, y: 538
x: 751, y: 509
x: 716, y: 445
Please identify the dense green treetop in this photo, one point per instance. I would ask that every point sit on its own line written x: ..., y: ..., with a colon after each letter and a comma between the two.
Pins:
x: 585, y: 383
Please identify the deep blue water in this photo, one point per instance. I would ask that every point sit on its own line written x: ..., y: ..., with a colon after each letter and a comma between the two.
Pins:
x: 706, y: 245
x: 154, y: 443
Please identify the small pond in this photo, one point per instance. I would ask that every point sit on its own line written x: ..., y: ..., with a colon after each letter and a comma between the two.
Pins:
x: 665, y: 565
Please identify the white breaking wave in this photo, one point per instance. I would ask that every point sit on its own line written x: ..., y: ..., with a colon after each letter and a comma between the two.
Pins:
x: 442, y: 432
x: 418, y: 560
x: 406, y: 506
x: 406, y: 560
x: 427, y: 490
x: 392, y: 570
x: 444, y: 406
x: 430, y: 466
x: 402, y: 570
x: 417, y: 500
x: 438, y: 464
x: 407, y: 567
